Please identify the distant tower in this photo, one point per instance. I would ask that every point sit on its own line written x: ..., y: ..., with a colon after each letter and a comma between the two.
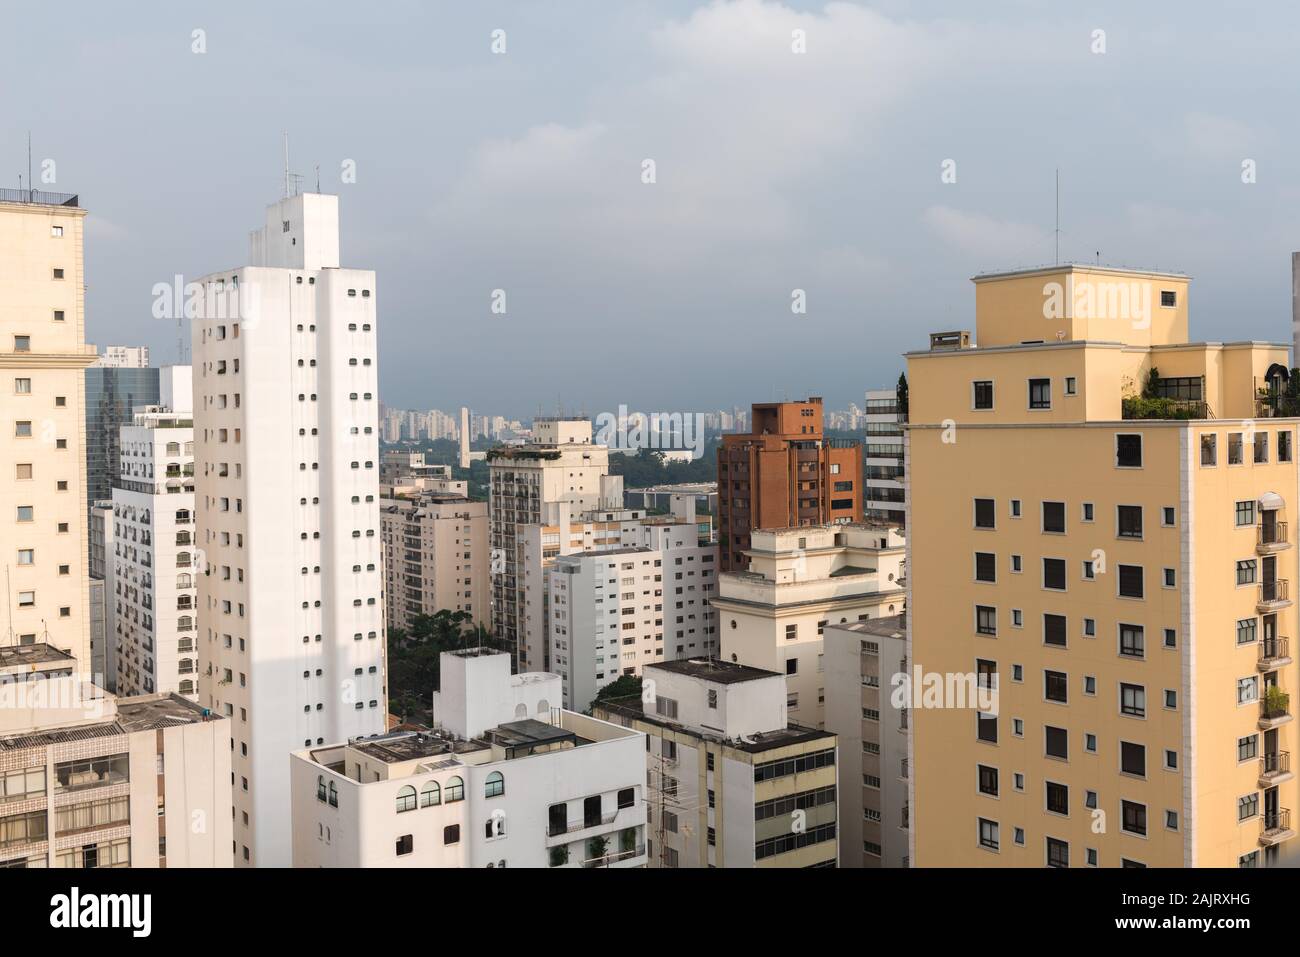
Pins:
x: 464, y: 437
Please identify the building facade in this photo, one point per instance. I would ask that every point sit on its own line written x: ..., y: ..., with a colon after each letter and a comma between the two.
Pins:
x: 801, y: 580
x: 1105, y: 597
x: 89, y: 780
x: 781, y: 474
x: 113, y: 393
x: 435, y: 557
x: 559, y: 464
x: 732, y: 782
x: 286, y: 498
x: 864, y: 710
x: 885, y: 496
x: 505, y: 779
x: 43, y: 358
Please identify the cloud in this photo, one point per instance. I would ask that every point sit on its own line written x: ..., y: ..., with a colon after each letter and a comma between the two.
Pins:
x: 998, y: 243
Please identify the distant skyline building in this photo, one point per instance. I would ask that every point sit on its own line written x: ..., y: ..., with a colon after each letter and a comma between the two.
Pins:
x: 123, y: 357
x: 464, y: 437
x: 113, y: 391
x: 885, y: 497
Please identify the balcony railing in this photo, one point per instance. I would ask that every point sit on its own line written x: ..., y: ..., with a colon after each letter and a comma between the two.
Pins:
x: 1274, y: 591
x: 1274, y: 649
x: 1162, y: 408
x: 1274, y: 533
x: 1276, y: 762
x: 609, y: 859
x: 1275, y: 822
x: 554, y: 828
x: 37, y: 196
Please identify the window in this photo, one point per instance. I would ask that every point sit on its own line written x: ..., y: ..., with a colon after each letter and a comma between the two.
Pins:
x: 1128, y: 521
x: 1261, y: 447
x: 495, y: 785
x: 1058, y: 853
x: 988, y: 834
x: 986, y: 565
x: 451, y: 834
x: 1054, y: 574
x: 1248, y: 806
x: 1168, y: 516
x: 986, y: 727
x: 1058, y: 798
x: 1133, y: 758
x: 1056, y: 686
x: 1071, y: 385
x: 1234, y: 448
x: 22, y: 343
x: 627, y: 798
x: 406, y: 799
x: 1016, y: 564
x: 1247, y: 690
x: 1054, y: 628
x: 1133, y: 700
x: 1169, y: 578
x: 1015, y: 508
x: 1132, y: 641
x: 1284, y: 446
x: 1134, y: 817
x: 1245, y: 513
x: 1246, y: 572
x: 1131, y: 581
x: 405, y: 845
x: 983, y: 394
x: 984, y: 513
x: 1168, y: 298
x: 1128, y: 450
x: 1040, y: 393
x: 1209, y: 450
x: 455, y: 790
x: 1248, y: 747
x: 1087, y: 511
x: 988, y: 780
x: 1056, y: 742
x: 986, y: 620
x: 1054, y: 517
x: 23, y: 386
x: 431, y: 795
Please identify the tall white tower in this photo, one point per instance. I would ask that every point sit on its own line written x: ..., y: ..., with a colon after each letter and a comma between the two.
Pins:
x: 287, y: 463
x: 464, y: 437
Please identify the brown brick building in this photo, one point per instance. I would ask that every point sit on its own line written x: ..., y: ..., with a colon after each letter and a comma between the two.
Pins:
x: 781, y: 474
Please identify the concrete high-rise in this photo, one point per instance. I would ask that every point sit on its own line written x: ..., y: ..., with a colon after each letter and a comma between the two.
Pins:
x: 287, y: 486
x: 1099, y: 568
x: 783, y: 473
x: 464, y: 437
x: 43, y: 357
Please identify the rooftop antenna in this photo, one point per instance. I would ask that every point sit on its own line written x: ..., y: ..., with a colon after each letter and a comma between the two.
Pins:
x: 318, y: 177
x: 1058, y: 216
x: 286, y: 164
x: 29, y: 162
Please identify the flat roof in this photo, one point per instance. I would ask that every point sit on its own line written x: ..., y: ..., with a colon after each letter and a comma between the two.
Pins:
x: 890, y: 626
x: 528, y: 732
x: 401, y: 746
x: 750, y: 744
x: 38, y: 654
x: 713, y: 669
x: 158, y: 711
x: 1072, y: 266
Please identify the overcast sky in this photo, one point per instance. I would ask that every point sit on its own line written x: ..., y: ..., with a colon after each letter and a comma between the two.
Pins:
x: 775, y: 171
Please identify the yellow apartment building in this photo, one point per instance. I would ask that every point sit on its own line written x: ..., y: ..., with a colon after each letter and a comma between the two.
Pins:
x: 1099, y: 545
x: 43, y: 357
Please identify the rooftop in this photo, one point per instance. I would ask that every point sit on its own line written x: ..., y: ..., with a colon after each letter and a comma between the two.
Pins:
x: 714, y: 669
x: 892, y: 626
x: 38, y: 197
x: 632, y: 707
x: 16, y: 656
x: 158, y: 711
x: 1071, y: 267
x: 398, y: 746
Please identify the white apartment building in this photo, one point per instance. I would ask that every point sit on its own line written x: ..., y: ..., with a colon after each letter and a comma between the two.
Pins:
x: 155, y: 568
x: 559, y: 463
x: 732, y: 782
x: 43, y: 355
x: 91, y: 780
x: 883, y: 495
x: 287, y: 462
x: 799, y: 581
x: 864, y: 712
x: 614, y: 610
x: 123, y: 357
x: 504, y: 779
x: 435, y: 557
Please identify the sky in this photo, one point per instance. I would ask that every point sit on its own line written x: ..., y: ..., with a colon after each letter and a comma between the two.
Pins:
x: 774, y: 170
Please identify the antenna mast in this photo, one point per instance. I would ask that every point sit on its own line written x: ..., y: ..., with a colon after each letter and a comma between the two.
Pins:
x: 1058, y: 216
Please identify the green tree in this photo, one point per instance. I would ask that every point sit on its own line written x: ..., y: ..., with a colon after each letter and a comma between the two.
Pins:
x: 626, y: 686
x: 413, y: 657
x: 900, y: 394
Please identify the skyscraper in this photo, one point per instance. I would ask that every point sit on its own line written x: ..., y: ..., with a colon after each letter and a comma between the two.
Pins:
x: 287, y: 488
x: 113, y: 390
x: 43, y: 355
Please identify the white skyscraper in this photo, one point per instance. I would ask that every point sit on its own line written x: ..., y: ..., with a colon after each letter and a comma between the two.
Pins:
x: 464, y: 437
x: 287, y: 463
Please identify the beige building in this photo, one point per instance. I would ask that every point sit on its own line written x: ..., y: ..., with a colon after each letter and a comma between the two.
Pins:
x: 90, y: 780
x: 732, y: 781
x: 799, y: 581
x: 1099, y: 561
x: 862, y: 658
x: 559, y: 463
x: 435, y: 557
x: 43, y: 355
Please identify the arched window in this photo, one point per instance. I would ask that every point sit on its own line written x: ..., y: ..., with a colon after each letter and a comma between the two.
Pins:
x: 334, y: 796
x: 521, y: 711
x: 431, y: 795
x: 454, y: 791
x: 495, y: 826
x: 320, y: 787
x: 543, y: 706
x: 406, y: 800
x: 184, y: 623
x: 495, y: 785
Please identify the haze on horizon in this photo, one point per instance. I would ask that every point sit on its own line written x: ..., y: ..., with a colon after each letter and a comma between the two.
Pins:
x: 775, y: 171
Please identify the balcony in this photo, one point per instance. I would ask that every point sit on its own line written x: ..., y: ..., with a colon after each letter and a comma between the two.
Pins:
x: 1274, y: 653
x: 1273, y: 596
x: 1274, y: 709
x: 1277, y: 827
x: 608, y: 860
x: 1271, y: 538
x: 1274, y: 768
x: 1158, y: 407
